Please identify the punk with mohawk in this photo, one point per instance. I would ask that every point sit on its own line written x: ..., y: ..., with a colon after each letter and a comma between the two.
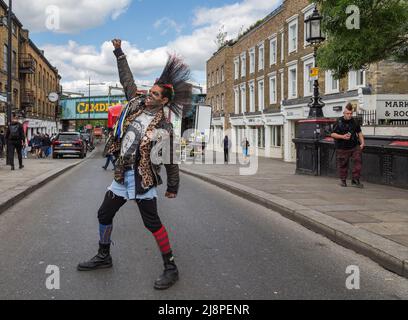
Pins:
x: 173, y: 80
x: 136, y: 177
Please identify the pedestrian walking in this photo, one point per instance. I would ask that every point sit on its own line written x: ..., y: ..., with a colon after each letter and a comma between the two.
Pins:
x: 109, y: 158
x: 349, y: 143
x: 15, y: 141
x: 42, y: 147
x: 136, y: 177
x: 36, y: 145
x: 226, y: 149
x: 245, y: 147
x: 2, y: 144
x: 46, y: 145
x: 25, y: 149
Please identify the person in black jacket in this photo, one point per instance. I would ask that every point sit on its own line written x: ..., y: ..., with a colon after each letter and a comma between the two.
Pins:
x: 15, y: 141
x: 139, y: 132
x: 226, y: 149
x: 349, y: 142
x: 2, y: 143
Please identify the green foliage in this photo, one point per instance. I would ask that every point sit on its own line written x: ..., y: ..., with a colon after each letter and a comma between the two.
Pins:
x: 383, y: 34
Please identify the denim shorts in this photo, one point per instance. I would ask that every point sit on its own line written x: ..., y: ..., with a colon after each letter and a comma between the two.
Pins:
x: 127, y: 190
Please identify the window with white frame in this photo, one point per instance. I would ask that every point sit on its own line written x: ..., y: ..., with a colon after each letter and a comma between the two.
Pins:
x: 261, y: 95
x: 222, y: 74
x: 236, y: 99
x: 282, y: 46
x: 272, y: 89
x: 243, y: 65
x: 252, y: 60
x: 272, y: 51
x: 212, y: 79
x: 356, y: 79
x: 360, y: 78
x: 308, y: 81
x: 292, y: 82
x: 243, y: 98
x: 261, y: 57
x: 293, y: 36
x: 331, y: 84
x: 218, y: 76
x: 209, y: 80
x: 282, y: 83
x: 222, y: 101
x: 261, y: 137
x: 236, y: 68
x: 252, y: 96
x: 276, y: 136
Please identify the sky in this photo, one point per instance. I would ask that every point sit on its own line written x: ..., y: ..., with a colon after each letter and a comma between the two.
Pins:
x: 75, y: 35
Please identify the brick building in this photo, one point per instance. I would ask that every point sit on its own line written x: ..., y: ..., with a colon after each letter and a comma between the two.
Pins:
x: 267, y: 83
x: 33, y: 78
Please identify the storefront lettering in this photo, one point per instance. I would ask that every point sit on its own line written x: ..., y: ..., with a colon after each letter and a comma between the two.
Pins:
x: 401, y: 113
x: 396, y: 104
x: 98, y: 107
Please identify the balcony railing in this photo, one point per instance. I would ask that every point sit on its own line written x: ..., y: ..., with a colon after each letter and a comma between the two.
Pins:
x: 27, y: 64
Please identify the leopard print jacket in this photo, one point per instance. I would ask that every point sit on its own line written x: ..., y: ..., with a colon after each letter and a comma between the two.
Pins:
x: 144, y: 165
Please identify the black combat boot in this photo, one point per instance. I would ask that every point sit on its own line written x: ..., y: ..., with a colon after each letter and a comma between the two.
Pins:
x: 356, y: 183
x: 170, y: 274
x: 102, y: 260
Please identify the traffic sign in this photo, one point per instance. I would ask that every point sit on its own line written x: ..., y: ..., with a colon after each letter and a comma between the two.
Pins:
x: 314, y: 72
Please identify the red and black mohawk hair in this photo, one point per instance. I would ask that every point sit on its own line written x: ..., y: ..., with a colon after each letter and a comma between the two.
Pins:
x: 173, y: 80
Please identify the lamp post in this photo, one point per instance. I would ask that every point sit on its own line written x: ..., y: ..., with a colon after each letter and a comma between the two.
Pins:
x: 9, y: 75
x: 89, y: 97
x: 315, y: 38
x: 311, y: 131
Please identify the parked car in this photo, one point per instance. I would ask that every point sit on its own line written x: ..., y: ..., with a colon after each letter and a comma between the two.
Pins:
x: 68, y: 143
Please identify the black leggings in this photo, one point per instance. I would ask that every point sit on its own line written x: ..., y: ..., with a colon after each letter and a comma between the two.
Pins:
x: 18, y: 147
x: 148, y: 210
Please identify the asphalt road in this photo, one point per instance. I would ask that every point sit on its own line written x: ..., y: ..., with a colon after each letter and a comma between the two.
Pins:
x: 225, y: 248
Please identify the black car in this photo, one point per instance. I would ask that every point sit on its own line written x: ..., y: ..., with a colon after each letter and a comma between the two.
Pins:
x: 68, y: 143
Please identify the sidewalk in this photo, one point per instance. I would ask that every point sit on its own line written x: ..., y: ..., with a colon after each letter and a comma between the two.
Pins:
x: 372, y: 221
x: 17, y: 184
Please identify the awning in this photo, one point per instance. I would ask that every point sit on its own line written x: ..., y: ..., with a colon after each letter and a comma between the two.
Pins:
x: 113, y: 115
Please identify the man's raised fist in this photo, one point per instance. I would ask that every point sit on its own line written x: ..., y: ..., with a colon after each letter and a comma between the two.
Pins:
x: 117, y: 43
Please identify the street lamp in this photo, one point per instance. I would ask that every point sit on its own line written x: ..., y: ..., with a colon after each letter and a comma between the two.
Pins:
x: 315, y: 38
x: 89, y: 97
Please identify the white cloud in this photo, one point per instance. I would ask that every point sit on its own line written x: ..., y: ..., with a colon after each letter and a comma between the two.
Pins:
x: 166, y: 24
x: 67, y: 16
x: 77, y: 63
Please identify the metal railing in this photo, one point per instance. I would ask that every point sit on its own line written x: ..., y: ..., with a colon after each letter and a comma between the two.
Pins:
x: 369, y: 118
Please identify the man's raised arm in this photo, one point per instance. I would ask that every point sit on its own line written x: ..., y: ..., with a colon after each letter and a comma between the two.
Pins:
x: 125, y: 74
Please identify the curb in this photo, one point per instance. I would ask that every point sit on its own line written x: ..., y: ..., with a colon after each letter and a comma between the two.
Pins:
x: 390, y: 255
x: 17, y: 193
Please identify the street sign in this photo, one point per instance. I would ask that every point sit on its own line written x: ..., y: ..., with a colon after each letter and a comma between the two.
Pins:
x: 314, y: 72
x: 53, y: 97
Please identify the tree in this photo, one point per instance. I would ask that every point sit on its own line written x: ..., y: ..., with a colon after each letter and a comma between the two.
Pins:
x: 221, y: 38
x: 362, y: 32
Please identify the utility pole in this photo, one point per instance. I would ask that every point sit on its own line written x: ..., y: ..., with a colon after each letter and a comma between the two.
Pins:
x: 89, y: 101
x: 9, y: 79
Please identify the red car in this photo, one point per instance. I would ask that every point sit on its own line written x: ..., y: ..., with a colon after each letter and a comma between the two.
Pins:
x: 68, y: 143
